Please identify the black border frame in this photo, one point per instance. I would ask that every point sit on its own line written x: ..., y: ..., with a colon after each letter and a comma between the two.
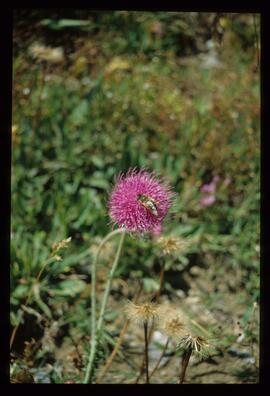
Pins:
x: 6, y: 27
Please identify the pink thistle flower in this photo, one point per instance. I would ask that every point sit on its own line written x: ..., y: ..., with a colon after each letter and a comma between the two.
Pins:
x: 210, y: 188
x: 139, y: 201
x: 207, y: 200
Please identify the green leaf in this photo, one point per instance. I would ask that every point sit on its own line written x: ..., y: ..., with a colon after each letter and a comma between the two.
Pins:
x: 99, y: 183
x: 150, y: 285
x: 44, y: 307
x: 64, y: 23
x: 69, y: 287
x: 20, y: 291
x: 78, y: 115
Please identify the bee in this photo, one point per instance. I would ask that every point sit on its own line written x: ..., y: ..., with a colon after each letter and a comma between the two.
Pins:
x: 149, y: 203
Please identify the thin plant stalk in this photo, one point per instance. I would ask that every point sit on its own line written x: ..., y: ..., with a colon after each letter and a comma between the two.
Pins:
x: 156, y: 296
x: 95, y: 330
x: 28, y: 299
x: 161, y: 281
x: 160, y: 358
x: 145, y: 326
x: 93, y: 294
x: 109, y: 282
x: 118, y: 343
x: 256, y: 41
x: 38, y: 112
x: 114, y: 352
x: 185, y: 361
x: 200, y: 327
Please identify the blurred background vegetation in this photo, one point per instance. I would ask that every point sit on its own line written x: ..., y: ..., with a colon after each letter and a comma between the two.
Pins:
x: 95, y: 93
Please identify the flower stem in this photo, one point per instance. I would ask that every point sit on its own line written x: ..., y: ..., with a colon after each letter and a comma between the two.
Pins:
x: 145, y: 326
x: 28, y: 299
x: 160, y: 358
x: 109, y: 282
x: 156, y: 297
x: 185, y: 361
x: 161, y: 280
x: 95, y: 331
x: 118, y: 343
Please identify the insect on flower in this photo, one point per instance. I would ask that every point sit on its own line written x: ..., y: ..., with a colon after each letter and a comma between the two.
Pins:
x: 140, y: 201
x: 149, y: 203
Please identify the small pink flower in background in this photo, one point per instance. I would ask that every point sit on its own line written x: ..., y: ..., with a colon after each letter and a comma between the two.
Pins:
x: 140, y: 201
x: 207, y: 200
x: 209, y: 189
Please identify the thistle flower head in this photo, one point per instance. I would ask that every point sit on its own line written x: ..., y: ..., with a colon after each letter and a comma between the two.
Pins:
x: 139, y: 201
x: 142, y: 313
x: 197, y: 344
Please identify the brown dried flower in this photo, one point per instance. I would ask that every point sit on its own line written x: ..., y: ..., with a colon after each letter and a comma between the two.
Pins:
x: 197, y: 344
x: 56, y: 246
x: 142, y: 313
x: 174, y: 327
x: 171, y: 244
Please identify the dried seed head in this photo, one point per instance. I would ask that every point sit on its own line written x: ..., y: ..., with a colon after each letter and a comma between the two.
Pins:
x: 172, y: 322
x: 174, y: 327
x: 197, y: 344
x: 58, y: 258
x: 60, y: 245
x: 142, y: 313
x: 170, y: 244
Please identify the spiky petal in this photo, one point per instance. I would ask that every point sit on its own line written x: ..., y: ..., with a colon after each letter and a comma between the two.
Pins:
x: 127, y: 211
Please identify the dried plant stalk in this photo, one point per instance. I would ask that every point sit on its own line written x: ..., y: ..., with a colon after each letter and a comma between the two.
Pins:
x: 118, y: 344
x: 145, y: 326
x: 185, y: 361
x: 160, y: 358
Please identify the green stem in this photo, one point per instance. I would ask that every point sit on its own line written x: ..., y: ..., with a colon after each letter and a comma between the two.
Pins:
x: 109, y: 282
x: 95, y: 332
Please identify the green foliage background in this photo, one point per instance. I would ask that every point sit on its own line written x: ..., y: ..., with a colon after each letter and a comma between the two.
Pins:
x: 178, y: 93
